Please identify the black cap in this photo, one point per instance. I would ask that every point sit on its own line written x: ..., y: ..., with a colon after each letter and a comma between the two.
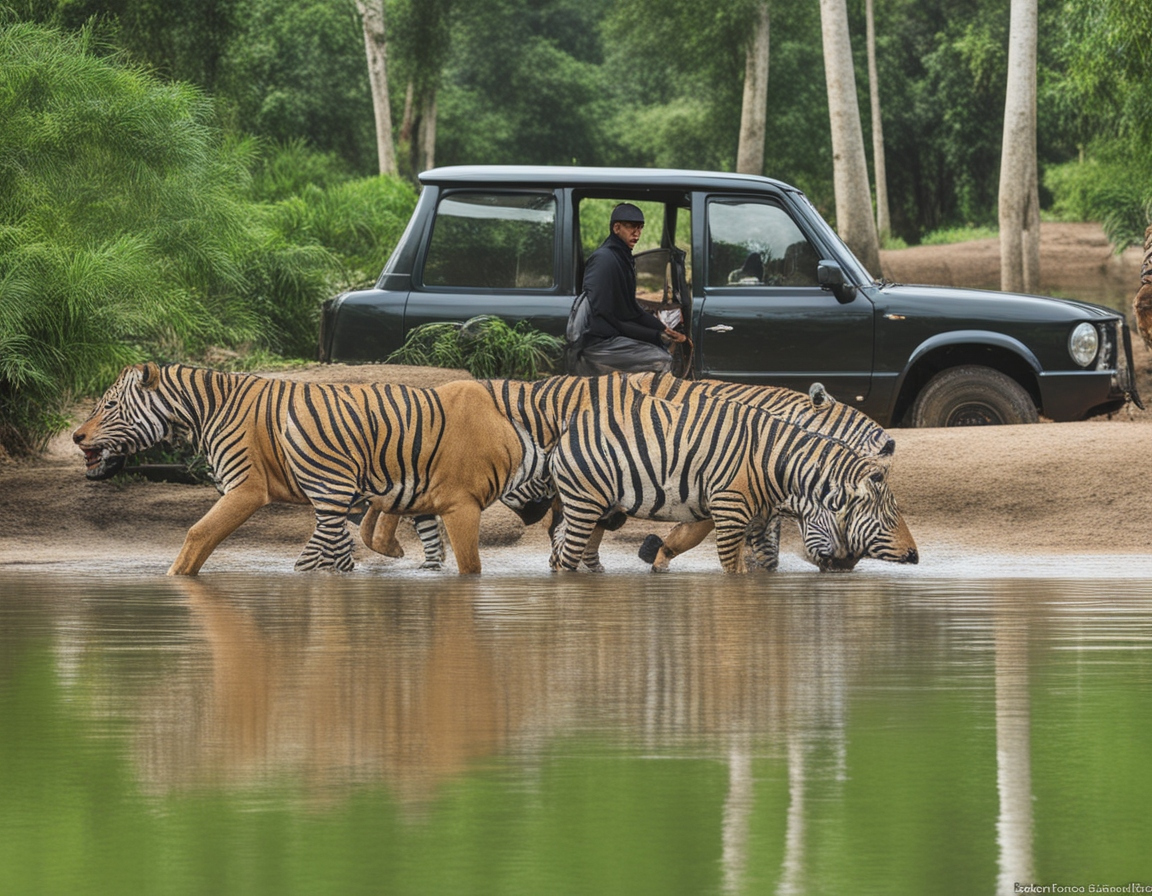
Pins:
x: 626, y: 211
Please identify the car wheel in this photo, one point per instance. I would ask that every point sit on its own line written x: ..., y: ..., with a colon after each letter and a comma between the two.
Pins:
x: 972, y: 396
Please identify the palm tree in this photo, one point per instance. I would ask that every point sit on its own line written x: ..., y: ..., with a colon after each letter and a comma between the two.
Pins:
x: 854, y: 218
x: 1019, y: 189
x: 376, y: 47
x: 883, y: 219
x: 754, y: 113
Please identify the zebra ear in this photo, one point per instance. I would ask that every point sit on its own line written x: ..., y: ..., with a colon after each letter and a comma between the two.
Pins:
x: 818, y: 395
x: 149, y: 375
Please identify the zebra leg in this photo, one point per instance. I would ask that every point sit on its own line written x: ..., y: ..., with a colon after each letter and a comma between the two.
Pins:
x: 572, y: 536
x: 730, y: 531
x: 330, y: 546
x: 218, y: 523
x: 428, y: 531
x: 763, y: 543
x: 463, y: 526
x: 683, y: 537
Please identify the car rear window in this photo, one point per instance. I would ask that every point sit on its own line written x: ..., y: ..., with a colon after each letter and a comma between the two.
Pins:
x: 493, y: 241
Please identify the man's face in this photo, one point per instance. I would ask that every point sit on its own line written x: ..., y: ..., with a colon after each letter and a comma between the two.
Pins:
x: 628, y: 232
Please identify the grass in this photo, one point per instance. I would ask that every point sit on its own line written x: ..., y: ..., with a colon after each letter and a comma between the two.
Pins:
x: 947, y: 235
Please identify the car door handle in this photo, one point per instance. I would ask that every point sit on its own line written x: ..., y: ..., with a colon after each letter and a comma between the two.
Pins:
x: 719, y: 328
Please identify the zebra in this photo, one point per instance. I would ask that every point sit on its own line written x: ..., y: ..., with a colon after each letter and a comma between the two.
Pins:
x: 817, y: 411
x: 705, y: 457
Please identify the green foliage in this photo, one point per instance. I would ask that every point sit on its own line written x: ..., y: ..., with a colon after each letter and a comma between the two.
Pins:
x: 127, y: 230
x: 288, y: 169
x: 485, y: 346
x: 1117, y: 192
x: 296, y: 69
x: 1108, y: 108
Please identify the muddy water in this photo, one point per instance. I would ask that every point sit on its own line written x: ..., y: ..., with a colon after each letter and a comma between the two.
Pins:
x: 888, y: 731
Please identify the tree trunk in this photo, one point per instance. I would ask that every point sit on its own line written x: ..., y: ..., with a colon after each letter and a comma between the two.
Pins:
x: 376, y: 46
x: 883, y: 220
x: 754, y: 113
x: 1019, y: 187
x: 428, y: 133
x: 854, y: 218
x: 409, y: 113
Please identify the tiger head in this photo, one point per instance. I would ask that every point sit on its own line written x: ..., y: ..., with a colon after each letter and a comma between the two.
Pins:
x: 847, y: 520
x: 129, y: 417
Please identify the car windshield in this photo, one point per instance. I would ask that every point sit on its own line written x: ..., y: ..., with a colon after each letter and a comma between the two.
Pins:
x: 859, y: 272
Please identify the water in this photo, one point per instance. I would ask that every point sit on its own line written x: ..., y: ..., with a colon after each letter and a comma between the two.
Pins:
x: 890, y: 731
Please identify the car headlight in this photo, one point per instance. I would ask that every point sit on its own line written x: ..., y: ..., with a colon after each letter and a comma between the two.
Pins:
x: 1083, y: 344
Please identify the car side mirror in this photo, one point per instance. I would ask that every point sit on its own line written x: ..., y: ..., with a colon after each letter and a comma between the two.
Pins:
x: 831, y: 277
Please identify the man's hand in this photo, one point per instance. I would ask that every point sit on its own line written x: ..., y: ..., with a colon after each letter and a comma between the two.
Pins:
x: 673, y: 335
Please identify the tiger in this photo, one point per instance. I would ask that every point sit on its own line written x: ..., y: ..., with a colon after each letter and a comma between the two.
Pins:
x: 816, y: 411
x: 445, y: 451
x: 705, y: 457
x: 540, y: 408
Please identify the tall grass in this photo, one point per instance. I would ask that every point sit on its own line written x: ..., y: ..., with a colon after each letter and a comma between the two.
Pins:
x: 131, y: 229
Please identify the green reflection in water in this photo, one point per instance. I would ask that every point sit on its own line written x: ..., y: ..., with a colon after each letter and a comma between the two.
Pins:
x: 677, y: 734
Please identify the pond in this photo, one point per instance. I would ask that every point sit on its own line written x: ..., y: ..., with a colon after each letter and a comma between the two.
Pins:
x: 890, y: 731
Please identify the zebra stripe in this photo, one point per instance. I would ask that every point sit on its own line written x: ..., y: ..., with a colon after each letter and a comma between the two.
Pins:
x: 704, y: 457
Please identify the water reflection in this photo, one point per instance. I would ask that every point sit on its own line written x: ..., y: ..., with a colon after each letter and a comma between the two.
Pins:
x: 853, y: 718
x: 1013, y: 752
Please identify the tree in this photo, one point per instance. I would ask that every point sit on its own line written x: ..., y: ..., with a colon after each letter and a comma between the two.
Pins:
x: 754, y: 111
x: 854, y: 219
x: 376, y: 47
x: 1019, y: 187
x: 883, y: 219
x: 421, y: 38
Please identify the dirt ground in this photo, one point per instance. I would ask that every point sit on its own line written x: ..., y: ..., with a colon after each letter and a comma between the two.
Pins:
x: 1048, y: 489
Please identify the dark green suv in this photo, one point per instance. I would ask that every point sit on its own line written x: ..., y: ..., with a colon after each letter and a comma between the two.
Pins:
x: 762, y: 285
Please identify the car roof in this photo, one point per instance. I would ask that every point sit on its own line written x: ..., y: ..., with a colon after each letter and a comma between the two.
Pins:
x: 575, y: 176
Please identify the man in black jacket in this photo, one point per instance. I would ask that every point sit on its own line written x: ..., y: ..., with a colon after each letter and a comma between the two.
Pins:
x: 621, y: 335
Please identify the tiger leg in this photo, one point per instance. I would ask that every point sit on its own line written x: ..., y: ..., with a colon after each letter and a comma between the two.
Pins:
x: 330, y: 546
x: 463, y: 526
x: 763, y: 543
x: 591, y: 558
x: 218, y: 523
x: 610, y: 523
x: 378, y: 532
x: 683, y: 537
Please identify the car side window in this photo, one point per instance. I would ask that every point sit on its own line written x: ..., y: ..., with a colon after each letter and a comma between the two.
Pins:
x: 493, y: 241
x: 756, y: 243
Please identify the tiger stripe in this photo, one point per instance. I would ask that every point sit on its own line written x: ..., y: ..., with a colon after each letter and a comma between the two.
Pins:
x: 445, y: 451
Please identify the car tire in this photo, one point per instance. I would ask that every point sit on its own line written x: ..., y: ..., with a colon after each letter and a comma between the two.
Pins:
x: 972, y: 395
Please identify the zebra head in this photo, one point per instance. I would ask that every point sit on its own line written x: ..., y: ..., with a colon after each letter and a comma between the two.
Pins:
x: 846, y: 519
x: 129, y: 417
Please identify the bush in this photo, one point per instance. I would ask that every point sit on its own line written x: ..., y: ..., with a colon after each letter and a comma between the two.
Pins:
x: 485, y: 346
